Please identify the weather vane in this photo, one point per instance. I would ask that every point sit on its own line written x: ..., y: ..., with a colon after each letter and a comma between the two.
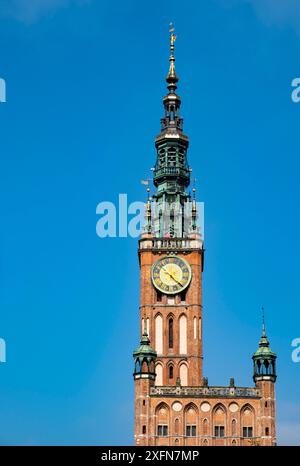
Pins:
x: 173, y: 37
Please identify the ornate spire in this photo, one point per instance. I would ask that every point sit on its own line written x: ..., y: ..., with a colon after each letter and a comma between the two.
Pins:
x: 171, y: 171
x: 264, y: 359
x: 172, y: 77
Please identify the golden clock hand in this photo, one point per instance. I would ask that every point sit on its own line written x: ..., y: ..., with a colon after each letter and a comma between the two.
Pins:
x: 172, y: 276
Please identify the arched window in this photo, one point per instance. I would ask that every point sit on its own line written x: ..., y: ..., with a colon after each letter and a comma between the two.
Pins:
x: 233, y: 427
x: 159, y: 334
x: 170, y: 332
x: 219, y: 419
x: 171, y: 372
x: 190, y: 415
x: 205, y: 427
x: 195, y: 327
x: 183, y: 334
x: 183, y: 374
x: 159, y: 374
x: 247, y: 421
x: 162, y: 413
x: 145, y: 366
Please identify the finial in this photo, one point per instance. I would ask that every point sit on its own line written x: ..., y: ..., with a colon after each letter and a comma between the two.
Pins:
x: 172, y: 77
x: 173, y: 37
x: 263, y: 322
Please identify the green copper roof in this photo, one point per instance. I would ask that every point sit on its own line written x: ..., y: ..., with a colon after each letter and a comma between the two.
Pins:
x: 145, y: 350
x: 264, y: 351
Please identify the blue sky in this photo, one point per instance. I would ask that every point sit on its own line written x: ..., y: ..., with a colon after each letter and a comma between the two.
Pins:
x: 85, y: 81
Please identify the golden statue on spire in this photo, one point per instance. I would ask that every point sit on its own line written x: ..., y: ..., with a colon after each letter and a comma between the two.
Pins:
x: 173, y: 37
x: 172, y: 77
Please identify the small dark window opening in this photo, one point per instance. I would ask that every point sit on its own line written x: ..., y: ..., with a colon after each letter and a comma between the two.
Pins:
x: 144, y: 402
x: 171, y: 372
x: 267, y: 430
x: 144, y: 429
x: 266, y: 404
x: 158, y: 296
x: 247, y: 432
x: 170, y: 333
x: 219, y: 431
x: 191, y: 431
x: 183, y: 295
x: 162, y: 431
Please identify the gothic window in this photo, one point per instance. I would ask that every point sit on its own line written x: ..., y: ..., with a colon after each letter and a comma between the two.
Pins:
x: 247, y: 419
x: 137, y: 366
x: 183, y: 374
x: 159, y: 334
x: 162, y: 412
x: 171, y: 333
x: 191, y: 431
x: 159, y: 374
x: 267, y: 431
x: 144, y: 429
x: 183, y: 334
x: 205, y: 427
x: 219, y: 419
x: 190, y: 417
x: 176, y: 426
x: 171, y: 372
x: 247, y: 432
x: 219, y: 431
x: 233, y: 427
x: 145, y: 366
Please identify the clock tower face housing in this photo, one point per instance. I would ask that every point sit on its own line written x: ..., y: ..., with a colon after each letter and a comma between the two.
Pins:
x: 171, y: 275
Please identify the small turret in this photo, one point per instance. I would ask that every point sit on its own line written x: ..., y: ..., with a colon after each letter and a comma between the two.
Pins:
x: 264, y: 360
x: 144, y: 359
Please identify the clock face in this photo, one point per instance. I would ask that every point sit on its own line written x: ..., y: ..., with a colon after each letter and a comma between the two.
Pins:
x: 171, y: 274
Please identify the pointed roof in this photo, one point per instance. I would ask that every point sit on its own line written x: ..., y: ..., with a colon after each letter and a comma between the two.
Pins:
x: 264, y: 350
x: 145, y: 350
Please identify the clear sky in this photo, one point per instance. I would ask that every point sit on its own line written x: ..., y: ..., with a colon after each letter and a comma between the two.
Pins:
x: 85, y: 81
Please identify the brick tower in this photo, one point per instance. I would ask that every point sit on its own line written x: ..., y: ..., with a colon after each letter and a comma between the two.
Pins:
x: 174, y: 404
